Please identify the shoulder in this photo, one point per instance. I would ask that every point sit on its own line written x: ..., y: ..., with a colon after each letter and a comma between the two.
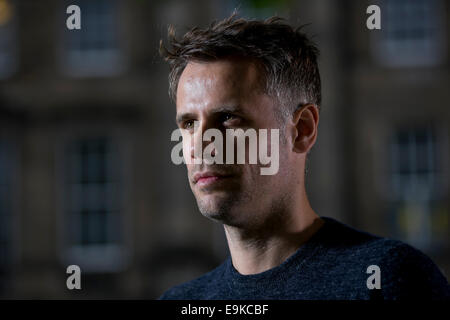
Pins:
x: 341, y: 237
x: 406, y: 272
x: 197, y: 288
x: 348, y: 241
x: 409, y: 273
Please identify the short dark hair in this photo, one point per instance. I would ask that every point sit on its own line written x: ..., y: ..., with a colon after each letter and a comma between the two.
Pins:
x: 287, y: 56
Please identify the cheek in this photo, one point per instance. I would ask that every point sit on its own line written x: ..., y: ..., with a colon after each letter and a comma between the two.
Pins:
x: 190, y: 166
x: 186, y: 147
x: 186, y: 153
x: 251, y: 174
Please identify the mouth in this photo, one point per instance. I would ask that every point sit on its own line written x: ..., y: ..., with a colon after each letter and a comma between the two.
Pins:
x: 209, y: 178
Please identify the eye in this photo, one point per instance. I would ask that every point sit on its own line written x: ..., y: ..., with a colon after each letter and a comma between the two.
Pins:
x: 228, y: 117
x: 188, y: 124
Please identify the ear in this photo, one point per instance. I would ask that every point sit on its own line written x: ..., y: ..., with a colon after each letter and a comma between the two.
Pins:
x: 306, y: 122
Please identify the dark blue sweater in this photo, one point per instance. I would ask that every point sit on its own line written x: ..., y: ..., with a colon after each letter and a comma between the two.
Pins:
x: 331, y: 265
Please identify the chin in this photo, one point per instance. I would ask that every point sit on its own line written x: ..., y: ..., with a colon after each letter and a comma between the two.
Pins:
x: 217, y: 207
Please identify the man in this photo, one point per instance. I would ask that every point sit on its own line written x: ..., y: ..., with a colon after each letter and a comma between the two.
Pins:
x: 241, y: 74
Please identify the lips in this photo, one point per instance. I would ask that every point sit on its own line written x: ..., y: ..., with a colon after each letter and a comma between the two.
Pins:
x: 208, y: 177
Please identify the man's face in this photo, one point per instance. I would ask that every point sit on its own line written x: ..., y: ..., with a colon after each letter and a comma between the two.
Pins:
x: 227, y: 94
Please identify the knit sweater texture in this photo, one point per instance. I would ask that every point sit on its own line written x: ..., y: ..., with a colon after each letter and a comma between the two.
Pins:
x: 334, y: 264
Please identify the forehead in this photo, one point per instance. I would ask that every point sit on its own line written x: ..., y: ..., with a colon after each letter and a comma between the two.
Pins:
x: 218, y: 82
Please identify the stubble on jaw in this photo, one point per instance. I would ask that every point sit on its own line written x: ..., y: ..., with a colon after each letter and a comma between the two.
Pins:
x: 251, y: 206
x: 236, y: 211
x: 223, y: 210
x: 274, y: 220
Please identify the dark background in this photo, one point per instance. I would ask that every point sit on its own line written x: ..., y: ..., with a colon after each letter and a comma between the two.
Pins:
x: 85, y: 123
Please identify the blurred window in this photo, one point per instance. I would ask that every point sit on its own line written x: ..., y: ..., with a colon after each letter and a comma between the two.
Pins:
x: 93, y: 50
x: 5, y: 205
x: 412, y: 33
x: 93, y: 203
x: 7, y: 39
x: 413, y: 162
x: 418, y: 216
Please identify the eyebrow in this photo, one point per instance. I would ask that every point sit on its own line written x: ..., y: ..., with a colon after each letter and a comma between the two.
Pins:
x: 184, y: 116
x: 230, y: 108
x: 222, y: 109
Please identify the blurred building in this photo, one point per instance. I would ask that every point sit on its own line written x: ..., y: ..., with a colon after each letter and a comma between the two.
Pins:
x: 85, y: 121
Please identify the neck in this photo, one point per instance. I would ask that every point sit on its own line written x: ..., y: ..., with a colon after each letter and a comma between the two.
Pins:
x: 258, y: 251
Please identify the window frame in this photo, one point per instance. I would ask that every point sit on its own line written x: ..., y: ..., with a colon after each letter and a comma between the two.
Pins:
x: 91, y: 63
x: 410, y: 58
x: 104, y: 258
x: 439, y: 193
